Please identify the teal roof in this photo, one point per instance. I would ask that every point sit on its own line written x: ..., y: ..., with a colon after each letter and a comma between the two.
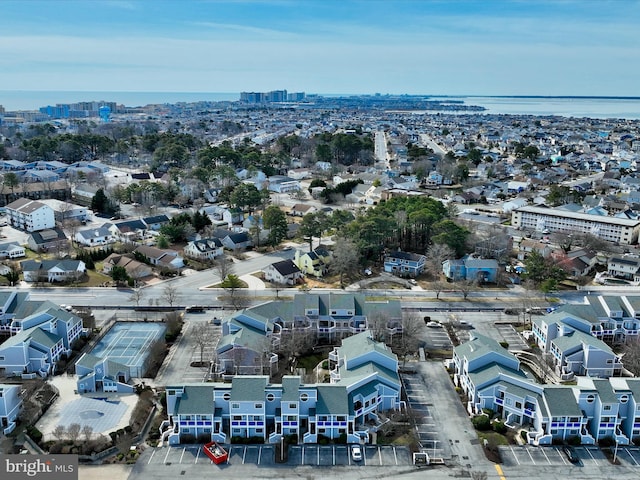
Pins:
x: 248, y: 388
x: 290, y: 389
x: 605, y: 391
x: 561, y: 402
x: 333, y: 400
x: 88, y: 361
x: 576, y: 339
x: 490, y: 372
x: 196, y: 399
x: 481, y: 345
x: 348, y: 377
x: 43, y: 337
x: 361, y: 344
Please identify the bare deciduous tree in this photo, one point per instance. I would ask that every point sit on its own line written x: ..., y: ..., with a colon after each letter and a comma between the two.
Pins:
x: 465, y: 287
x: 73, y: 432
x: 136, y: 296
x: 59, y: 432
x: 631, y: 356
x: 202, y: 335
x: 437, y: 254
x: 87, y: 432
x: 170, y: 294
x: 406, y: 344
x: 345, y: 259
x: 223, y: 267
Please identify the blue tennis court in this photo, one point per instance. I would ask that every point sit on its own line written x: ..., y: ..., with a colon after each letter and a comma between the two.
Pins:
x: 129, y: 343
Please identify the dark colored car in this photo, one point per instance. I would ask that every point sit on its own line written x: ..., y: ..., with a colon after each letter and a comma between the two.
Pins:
x: 571, y: 454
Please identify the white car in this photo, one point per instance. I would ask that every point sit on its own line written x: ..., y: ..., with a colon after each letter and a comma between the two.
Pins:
x: 356, y: 453
x: 433, y: 324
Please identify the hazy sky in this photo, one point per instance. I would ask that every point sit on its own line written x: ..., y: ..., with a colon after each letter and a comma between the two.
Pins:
x: 483, y: 47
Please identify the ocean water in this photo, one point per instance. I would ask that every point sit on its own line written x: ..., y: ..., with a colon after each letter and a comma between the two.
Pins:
x: 592, y: 107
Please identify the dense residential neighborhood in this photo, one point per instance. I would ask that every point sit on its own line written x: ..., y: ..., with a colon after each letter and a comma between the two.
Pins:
x: 285, y: 280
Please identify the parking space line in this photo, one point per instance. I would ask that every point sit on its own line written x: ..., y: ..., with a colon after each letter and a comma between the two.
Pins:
x: 182, y: 455
x: 514, y: 455
x: 167, y: 455
x: 259, y: 454
x: 545, y: 454
x: 530, y: 456
x: 318, y: 457
x: 244, y: 455
x: 153, y: 452
x: 303, y: 455
x: 198, y: 455
x: 592, y: 457
x: 632, y: 457
x: 560, y: 455
x: 395, y: 455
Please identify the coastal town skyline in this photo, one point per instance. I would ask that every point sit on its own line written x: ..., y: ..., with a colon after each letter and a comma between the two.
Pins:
x: 440, y: 48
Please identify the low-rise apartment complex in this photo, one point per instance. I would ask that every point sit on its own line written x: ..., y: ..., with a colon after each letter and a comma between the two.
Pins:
x: 364, y: 383
x: 614, y: 229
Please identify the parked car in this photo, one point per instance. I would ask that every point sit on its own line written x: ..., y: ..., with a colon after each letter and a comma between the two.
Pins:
x: 433, y: 324
x: 356, y: 453
x: 571, y: 454
x: 216, y: 321
x: 195, y: 309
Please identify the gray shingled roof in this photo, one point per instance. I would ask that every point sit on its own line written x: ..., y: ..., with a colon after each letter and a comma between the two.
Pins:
x: 332, y: 400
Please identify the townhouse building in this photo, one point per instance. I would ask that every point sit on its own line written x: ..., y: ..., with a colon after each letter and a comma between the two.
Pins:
x: 30, y: 215
x: 10, y: 403
x: 41, y: 332
x: 614, y: 229
x: 364, y: 384
x: 250, y: 336
x: 592, y: 410
x: 614, y: 319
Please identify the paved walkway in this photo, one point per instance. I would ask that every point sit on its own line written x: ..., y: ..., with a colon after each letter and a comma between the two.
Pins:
x: 253, y: 282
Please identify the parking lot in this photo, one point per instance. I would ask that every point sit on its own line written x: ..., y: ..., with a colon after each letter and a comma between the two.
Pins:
x: 514, y: 455
x: 309, y: 455
x: 428, y: 433
x: 437, y: 338
x: 511, y: 336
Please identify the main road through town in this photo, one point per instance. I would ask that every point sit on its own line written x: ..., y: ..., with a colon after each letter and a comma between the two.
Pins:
x: 192, y: 290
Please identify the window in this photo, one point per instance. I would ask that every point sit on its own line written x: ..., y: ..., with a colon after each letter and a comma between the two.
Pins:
x: 518, y: 405
x: 226, y: 397
x: 293, y: 406
x: 258, y: 430
x: 257, y: 405
x: 304, y: 397
x: 237, y: 417
x: 590, y: 398
x: 235, y: 405
x: 624, y: 398
x: 270, y: 397
x: 607, y: 407
x: 170, y: 392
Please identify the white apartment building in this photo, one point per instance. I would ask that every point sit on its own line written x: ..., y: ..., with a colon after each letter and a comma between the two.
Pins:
x: 30, y: 215
x: 622, y: 230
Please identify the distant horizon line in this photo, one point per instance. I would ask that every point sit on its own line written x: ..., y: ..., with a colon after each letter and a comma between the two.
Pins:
x: 376, y: 94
